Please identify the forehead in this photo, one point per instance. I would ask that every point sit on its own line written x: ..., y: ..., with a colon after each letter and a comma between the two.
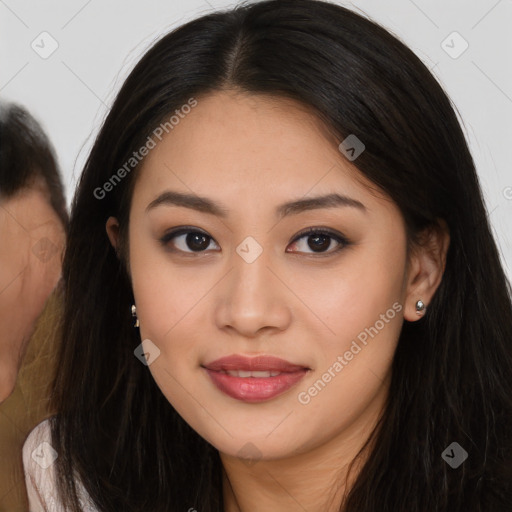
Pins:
x: 245, y: 145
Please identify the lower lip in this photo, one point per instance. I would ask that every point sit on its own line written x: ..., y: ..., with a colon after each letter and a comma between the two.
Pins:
x: 255, y: 389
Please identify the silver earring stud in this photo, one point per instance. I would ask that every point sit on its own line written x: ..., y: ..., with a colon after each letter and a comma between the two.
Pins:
x: 420, y: 307
x: 134, y: 314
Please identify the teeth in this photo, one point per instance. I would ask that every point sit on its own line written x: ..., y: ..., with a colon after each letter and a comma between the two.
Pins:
x: 259, y: 374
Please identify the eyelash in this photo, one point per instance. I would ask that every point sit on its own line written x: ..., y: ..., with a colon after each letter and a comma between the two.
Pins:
x: 338, y: 237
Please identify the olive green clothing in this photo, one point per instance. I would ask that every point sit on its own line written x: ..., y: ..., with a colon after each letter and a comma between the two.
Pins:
x: 28, y: 405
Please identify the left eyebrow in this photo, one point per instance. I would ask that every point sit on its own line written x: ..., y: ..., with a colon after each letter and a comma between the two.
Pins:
x: 313, y: 203
x: 206, y: 205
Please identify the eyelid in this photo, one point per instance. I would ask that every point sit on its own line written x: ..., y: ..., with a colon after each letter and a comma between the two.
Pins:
x: 321, y: 230
x: 183, y: 230
x: 336, y: 235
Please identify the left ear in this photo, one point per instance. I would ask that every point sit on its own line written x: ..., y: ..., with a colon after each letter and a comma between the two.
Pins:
x: 426, y: 267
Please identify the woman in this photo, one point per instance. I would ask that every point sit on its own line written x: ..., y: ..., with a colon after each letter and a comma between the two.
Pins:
x: 282, y: 291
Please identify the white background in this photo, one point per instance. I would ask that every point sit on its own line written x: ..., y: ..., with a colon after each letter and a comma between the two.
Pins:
x: 99, y: 42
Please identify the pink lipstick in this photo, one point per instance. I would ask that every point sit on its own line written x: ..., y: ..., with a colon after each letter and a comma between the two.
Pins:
x: 254, y: 379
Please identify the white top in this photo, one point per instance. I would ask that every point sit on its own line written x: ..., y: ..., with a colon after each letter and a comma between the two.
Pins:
x: 38, y: 462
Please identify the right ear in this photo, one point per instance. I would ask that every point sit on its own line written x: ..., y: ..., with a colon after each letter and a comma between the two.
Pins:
x: 112, y: 228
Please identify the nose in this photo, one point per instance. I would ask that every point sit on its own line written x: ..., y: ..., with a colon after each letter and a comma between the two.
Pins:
x: 252, y: 299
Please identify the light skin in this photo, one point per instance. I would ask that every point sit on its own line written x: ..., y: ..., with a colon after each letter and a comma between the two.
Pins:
x: 251, y: 154
x: 33, y: 240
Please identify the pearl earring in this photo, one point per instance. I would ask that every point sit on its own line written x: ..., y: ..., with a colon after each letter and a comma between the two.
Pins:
x: 134, y: 314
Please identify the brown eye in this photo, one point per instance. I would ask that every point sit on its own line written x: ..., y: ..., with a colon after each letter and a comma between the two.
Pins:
x: 187, y: 240
x: 319, y: 241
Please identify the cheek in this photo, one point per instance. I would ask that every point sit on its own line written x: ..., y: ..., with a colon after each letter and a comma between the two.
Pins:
x: 171, y: 306
x: 14, y: 254
x: 163, y: 292
x: 353, y: 295
x: 361, y: 305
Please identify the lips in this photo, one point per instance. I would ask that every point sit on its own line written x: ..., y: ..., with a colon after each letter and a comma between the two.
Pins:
x: 253, y: 364
x: 254, y: 379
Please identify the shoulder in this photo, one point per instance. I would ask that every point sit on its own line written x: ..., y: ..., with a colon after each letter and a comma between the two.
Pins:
x: 38, y: 464
x: 39, y: 458
x: 40, y: 433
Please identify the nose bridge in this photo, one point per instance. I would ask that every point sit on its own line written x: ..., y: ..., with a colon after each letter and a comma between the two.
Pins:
x: 250, y: 273
x: 251, y: 298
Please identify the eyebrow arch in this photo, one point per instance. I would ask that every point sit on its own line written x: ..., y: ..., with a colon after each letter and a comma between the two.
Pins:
x: 205, y: 205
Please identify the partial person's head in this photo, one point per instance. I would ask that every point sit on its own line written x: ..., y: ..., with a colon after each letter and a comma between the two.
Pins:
x: 33, y: 221
x: 199, y: 204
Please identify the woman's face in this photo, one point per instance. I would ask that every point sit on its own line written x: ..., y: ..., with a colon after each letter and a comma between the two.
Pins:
x: 246, y: 281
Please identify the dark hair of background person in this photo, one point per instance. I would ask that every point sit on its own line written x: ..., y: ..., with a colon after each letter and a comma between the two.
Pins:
x: 452, y: 371
x: 26, y: 154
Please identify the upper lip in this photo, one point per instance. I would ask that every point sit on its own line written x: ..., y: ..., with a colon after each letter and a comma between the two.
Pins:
x: 258, y: 363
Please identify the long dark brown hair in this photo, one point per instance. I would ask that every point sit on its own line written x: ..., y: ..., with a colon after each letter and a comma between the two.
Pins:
x: 452, y: 371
